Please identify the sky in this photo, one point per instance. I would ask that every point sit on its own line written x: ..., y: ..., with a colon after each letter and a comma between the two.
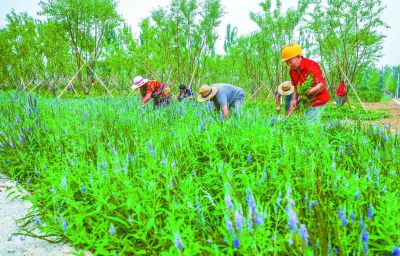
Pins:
x: 236, y: 14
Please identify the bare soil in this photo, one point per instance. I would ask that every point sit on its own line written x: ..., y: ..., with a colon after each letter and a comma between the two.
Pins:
x: 392, y: 108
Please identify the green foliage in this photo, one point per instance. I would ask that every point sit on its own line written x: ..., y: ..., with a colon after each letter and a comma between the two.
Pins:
x: 372, y: 82
x: 390, y: 83
x: 112, y: 178
x: 350, y: 112
x: 306, y: 86
x: 83, y: 27
x: 86, y: 42
x: 20, y: 49
x: 347, y: 36
x: 370, y: 96
x: 176, y: 41
x: 303, y: 89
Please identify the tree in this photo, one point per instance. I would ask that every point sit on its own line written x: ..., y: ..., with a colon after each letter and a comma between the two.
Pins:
x: 20, y: 49
x: 85, y: 23
x: 260, y: 53
x: 347, y: 37
x: 119, y: 64
x: 390, y: 83
x: 176, y: 41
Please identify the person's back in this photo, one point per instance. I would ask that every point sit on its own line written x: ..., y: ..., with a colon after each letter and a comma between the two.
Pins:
x: 227, y: 94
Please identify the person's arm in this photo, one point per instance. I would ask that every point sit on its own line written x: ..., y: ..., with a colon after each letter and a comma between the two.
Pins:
x: 278, y: 102
x: 225, y: 111
x: 315, y: 89
x: 318, y: 79
x: 216, y: 106
x: 293, y: 103
x: 189, y: 94
x: 146, y: 98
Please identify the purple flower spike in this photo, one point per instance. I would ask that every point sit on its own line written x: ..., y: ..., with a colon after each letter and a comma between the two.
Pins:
x: 229, y: 225
x: 64, y: 225
x: 178, y: 241
x: 228, y: 201
x: 239, y: 220
x: 364, y: 236
x: 249, y: 158
x: 370, y: 212
x: 396, y: 251
x: 250, y: 200
x: 250, y: 221
x: 112, y: 230
x: 236, y: 243
x: 63, y: 182
x: 152, y: 152
x: 357, y: 196
x: 342, y: 216
x: 352, y: 216
x: 293, y: 220
x: 303, y: 233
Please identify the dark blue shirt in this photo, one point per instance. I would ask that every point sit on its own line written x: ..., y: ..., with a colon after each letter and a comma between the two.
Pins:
x: 187, y: 93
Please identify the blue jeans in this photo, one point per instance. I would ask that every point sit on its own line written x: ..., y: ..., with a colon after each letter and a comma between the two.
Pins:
x: 288, y: 99
x: 313, y: 114
x: 238, y: 103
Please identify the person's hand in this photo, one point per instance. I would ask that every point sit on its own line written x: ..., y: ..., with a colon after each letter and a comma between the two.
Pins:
x: 278, y: 109
x: 309, y: 93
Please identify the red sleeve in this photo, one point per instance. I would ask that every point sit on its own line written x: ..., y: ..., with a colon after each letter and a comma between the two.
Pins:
x: 315, y: 70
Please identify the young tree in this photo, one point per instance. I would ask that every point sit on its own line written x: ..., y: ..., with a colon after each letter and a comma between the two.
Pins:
x: 56, y: 62
x: 20, y: 49
x: 277, y: 28
x: 85, y: 23
x: 176, y: 41
x: 119, y: 64
x: 347, y: 36
x: 390, y: 83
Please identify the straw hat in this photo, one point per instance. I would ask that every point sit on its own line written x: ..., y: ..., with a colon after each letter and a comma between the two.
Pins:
x: 138, y: 82
x: 285, y: 88
x: 206, y: 92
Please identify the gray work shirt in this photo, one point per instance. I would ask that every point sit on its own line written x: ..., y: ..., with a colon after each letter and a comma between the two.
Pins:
x: 228, y: 95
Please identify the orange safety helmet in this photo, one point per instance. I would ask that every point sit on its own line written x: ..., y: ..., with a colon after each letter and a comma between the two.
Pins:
x: 290, y: 51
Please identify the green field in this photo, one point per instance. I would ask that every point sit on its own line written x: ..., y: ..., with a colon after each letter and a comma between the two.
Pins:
x: 113, y: 178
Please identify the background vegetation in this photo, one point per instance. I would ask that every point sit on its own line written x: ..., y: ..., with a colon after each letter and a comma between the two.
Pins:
x: 113, y: 178
x: 85, y: 48
x: 117, y: 180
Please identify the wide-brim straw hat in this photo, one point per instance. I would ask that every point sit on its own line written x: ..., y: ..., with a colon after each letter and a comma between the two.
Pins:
x: 286, y: 88
x: 138, y: 82
x: 206, y: 92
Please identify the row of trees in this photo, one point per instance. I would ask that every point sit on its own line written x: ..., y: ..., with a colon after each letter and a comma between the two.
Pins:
x: 84, y: 47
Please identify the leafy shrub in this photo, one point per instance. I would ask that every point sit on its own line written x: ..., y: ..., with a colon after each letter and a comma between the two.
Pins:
x: 369, y: 96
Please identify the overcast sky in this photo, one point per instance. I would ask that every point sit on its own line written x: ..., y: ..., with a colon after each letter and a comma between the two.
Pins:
x: 237, y: 14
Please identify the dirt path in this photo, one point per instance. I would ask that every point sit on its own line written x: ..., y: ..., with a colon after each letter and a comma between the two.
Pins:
x: 16, y: 245
x: 392, y: 108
